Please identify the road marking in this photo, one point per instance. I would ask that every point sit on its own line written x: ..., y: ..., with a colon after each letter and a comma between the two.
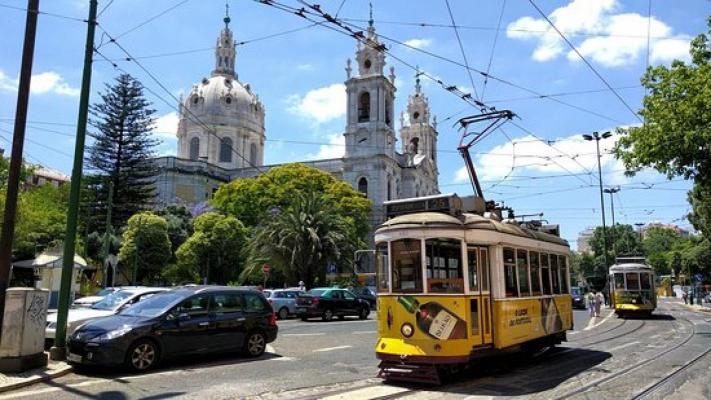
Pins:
x: 591, y: 324
x: 622, y: 346
x: 51, y: 389
x: 302, y: 334
x: 362, y: 332
x: 269, y: 349
x: 283, y: 358
x: 367, y: 393
x: 332, y: 348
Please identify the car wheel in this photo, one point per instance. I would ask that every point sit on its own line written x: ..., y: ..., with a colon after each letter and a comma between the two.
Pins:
x: 327, y: 315
x: 255, y: 344
x: 364, y: 312
x: 283, y: 313
x: 142, y: 355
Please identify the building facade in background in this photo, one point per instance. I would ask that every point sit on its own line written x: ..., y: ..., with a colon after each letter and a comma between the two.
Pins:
x: 221, y: 134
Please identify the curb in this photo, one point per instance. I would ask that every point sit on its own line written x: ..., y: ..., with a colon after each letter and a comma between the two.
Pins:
x: 31, y: 381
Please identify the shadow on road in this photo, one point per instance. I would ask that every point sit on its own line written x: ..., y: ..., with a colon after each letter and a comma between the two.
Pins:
x: 653, y: 317
x: 519, y: 375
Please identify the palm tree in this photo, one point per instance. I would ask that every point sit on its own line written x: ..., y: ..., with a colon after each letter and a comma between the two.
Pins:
x: 303, y: 239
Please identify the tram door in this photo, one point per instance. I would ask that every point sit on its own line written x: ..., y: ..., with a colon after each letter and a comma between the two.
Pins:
x: 480, y: 307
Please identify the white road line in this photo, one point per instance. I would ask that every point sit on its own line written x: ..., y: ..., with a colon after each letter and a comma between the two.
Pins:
x: 362, y: 332
x: 269, y: 349
x: 592, y: 323
x: 622, y: 346
x: 302, y: 334
x: 367, y: 393
x: 50, y: 389
x: 283, y: 359
x: 332, y: 348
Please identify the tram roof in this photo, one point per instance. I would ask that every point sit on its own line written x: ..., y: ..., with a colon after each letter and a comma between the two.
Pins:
x: 626, y: 267
x: 467, y: 221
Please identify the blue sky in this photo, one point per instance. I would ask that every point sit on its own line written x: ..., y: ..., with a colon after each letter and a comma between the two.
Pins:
x: 298, y: 77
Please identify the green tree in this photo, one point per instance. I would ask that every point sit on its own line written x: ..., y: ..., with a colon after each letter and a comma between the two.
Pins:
x: 700, y: 216
x: 582, y: 266
x: 41, y: 220
x: 121, y: 153
x: 621, y: 240
x: 213, y: 252
x: 303, y: 239
x: 658, y: 243
x: 180, y: 224
x: 675, y: 138
x: 145, y: 247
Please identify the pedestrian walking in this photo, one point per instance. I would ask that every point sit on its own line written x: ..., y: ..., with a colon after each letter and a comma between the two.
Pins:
x: 685, y: 296
x: 591, y: 303
x: 599, y: 299
x: 302, y: 287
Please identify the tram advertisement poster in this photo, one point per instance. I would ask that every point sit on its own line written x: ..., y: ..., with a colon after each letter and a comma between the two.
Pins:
x: 522, y: 320
x: 426, y: 318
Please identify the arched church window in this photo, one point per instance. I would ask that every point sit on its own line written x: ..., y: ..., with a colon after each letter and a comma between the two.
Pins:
x: 414, y: 145
x: 415, y: 115
x: 194, y: 148
x: 226, y: 150
x: 390, y: 189
x: 228, y: 100
x: 364, y: 107
x: 388, y: 108
x: 253, y: 154
x: 195, y: 100
x: 363, y: 186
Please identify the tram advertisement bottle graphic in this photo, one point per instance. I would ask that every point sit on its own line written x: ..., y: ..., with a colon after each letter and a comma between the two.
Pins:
x: 435, y: 320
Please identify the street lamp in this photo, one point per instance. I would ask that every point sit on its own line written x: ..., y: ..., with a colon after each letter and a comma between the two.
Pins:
x: 612, y: 191
x: 596, y: 137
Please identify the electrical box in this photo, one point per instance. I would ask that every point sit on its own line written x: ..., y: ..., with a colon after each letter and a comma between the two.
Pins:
x: 22, y: 342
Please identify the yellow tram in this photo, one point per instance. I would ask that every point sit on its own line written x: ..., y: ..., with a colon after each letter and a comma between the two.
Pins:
x: 633, y: 289
x: 455, y: 285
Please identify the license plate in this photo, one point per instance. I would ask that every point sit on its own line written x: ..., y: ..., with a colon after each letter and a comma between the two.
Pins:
x: 74, y: 357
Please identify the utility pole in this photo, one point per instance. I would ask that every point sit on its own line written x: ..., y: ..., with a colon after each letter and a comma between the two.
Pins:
x: 59, y: 350
x: 18, y: 140
x: 612, y: 191
x: 596, y: 137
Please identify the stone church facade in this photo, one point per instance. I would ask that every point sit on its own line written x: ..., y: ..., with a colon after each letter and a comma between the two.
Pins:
x: 221, y: 134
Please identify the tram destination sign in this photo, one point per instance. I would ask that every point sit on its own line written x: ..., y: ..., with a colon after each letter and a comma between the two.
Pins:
x: 449, y: 203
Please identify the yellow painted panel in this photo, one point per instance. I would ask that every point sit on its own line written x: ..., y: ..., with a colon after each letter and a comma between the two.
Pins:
x: 521, y: 320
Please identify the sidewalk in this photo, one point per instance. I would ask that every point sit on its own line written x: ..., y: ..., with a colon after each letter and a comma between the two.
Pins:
x: 53, y: 370
x: 706, y: 307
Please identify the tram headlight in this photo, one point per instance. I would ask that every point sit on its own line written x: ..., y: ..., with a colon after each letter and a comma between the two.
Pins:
x: 407, y: 330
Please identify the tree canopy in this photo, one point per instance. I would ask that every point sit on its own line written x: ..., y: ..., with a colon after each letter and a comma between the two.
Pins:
x: 145, y: 247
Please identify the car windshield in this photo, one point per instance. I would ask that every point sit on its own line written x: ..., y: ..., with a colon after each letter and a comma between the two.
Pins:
x: 153, y: 306
x: 575, y: 291
x: 267, y: 293
x: 112, y: 301
x: 105, y: 292
x: 317, y: 292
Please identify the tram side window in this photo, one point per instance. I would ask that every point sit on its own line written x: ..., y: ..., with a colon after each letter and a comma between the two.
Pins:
x: 555, y: 274
x: 546, y: 274
x: 522, y: 267
x: 510, y: 283
x: 381, y: 266
x: 484, y: 263
x: 646, y: 281
x: 472, y: 256
x: 632, y: 280
x: 407, y: 266
x: 535, y: 274
x: 444, y: 266
x: 563, y: 264
x: 619, y: 281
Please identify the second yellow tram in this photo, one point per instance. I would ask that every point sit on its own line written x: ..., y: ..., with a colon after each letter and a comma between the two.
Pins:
x: 454, y: 286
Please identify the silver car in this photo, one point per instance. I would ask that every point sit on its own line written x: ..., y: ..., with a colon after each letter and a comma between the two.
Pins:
x: 283, y: 301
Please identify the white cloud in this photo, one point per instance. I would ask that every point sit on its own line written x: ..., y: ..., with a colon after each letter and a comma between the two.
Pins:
x: 166, y: 125
x: 321, y: 105
x: 305, y: 67
x: 335, y: 149
x: 570, y: 154
x: 419, y: 43
x: 42, y: 83
x: 622, y: 39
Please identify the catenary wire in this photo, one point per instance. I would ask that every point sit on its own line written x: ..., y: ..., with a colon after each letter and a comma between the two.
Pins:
x: 461, y: 49
x: 493, y: 49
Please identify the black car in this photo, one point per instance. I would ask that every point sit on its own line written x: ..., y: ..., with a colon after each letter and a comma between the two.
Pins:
x: 183, y: 321
x: 368, y: 294
x: 578, y: 297
x: 329, y: 302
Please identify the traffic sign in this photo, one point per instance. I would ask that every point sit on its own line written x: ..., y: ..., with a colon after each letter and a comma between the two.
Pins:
x: 265, y: 268
x: 698, y: 277
x: 332, y: 268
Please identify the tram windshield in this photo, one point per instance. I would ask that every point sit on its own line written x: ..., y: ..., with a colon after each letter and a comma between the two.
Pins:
x: 407, y: 266
x: 632, y: 280
x: 619, y: 281
x: 444, y: 266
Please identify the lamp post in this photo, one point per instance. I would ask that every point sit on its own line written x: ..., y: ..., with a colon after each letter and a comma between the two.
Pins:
x: 596, y: 136
x: 612, y: 191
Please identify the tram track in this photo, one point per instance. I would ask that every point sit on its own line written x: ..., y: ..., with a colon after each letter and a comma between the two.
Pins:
x: 596, y: 383
x: 633, y: 330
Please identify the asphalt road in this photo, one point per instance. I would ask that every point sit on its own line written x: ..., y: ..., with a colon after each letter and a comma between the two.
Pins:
x: 605, y: 358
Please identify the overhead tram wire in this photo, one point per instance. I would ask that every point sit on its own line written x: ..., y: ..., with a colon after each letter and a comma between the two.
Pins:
x: 461, y: 48
x: 493, y: 49
x: 44, y: 146
x: 151, y: 19
x: 49, y: 14
x: 106, y: 7
x: 586, y: 61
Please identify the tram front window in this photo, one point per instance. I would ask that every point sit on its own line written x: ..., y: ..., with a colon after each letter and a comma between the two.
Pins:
x: 381, y: 266
x: 407, y: 267
x: 522, y: 267
x: 444, y: 266
x: 619, y: 281
x: 546, y: 274
x: 632, y: 280
x: 646, y: 281
x: 510, y: 283
x: 535, y: 275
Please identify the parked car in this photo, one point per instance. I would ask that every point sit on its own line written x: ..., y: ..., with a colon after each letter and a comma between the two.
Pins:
x: 283, y: 301
x: 109, y: 305
x: 368, y: 294
x: 329, y: 302
x: 578, y: 297
x: 183, y: 321
x: 88, y: 301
